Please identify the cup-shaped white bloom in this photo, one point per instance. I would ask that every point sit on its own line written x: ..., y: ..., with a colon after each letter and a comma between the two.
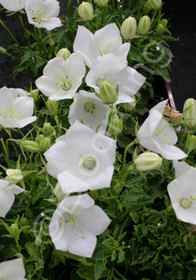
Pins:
x: 13, y: 5
x: 16, y: 108
x: 43, y: 13
x: 114, y: 69
x: 157, y: 135
x: 82, y: 159
x: 76, y: 223
x: 61, y: 78
x: 88, y: 109
x: 182, y: 192
x: 12, y: 270
x: 105, y: 40
x: 7, y: 196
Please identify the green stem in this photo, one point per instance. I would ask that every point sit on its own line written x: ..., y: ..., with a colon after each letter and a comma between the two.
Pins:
x: 69, y: 8
x: 25, y: 30
x: 10, y: 33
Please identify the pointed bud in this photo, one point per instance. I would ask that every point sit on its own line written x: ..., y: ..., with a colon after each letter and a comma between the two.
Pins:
x: 128, y: 28
x: 189, y: 112
x: 64, y: 53
x: 85, y: 11
x: 101, y: 3
x: 47, y: 129
x: 144, y: 25
x: 29, y: 146
x: 14, y: 175
x: 148, y: 161
x: 191, y: 143
x: 3, y: 51
x: 35, y: 94
x: 129, y: 107
x: 52, y: 107
x: 14, y: 231
x: 115, y: 127
x: 107, y: 92
x: 60, y: 195
x: 155, y: 4
x: 164, y: 22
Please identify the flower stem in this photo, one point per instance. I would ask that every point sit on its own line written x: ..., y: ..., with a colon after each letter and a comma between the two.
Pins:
x: 25, y: 30
x: 9, y: 32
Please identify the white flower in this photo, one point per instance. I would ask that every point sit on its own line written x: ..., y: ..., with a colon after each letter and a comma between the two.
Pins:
x: 43, y: 13
x: 158, y: 136
x: 16, y: 108
x: 182, y: 192
x: 114, y: 69
x: 82, y: 159
x: 105, y: 40
x: 75, y: 224
x: 7, y: 196
x: 61, y: 78
x: 12, y: 270
x: 13, y: 5
x: 88, y: 109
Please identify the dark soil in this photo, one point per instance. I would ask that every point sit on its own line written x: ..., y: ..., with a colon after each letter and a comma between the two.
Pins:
x: 182, y: 21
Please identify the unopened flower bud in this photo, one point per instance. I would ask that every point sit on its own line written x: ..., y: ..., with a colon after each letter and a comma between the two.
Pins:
x: 144, y: 25
x: 155, y: 4
x: 3, y: 50
x: 115, y: 127
x: 14, y: 231
x: 14, y: 175
x: 160, y: 29
x: 64, y: 53
x: 164, y: 22
x: 189, y: 112
x: 43, y: 142
x: 52, y: 107
x: 107, y: 92
x: 128, y: 28
x: 85, y: 11
x: 147, y: 8
x: 60, y: 195
x: 101, y: 3
x: 34, y: 93
x: 191, y: 143
x: 129, y: 107
x: 148, y: 161
x: 29, y: 146
x: 47, y: 129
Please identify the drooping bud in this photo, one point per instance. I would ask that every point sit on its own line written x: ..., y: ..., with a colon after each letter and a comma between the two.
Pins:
x: 64, y: 53
x: 85, y: 11
x: 47, y: 129
x: 107, y: 92
x: 52, y: 107
x: 189, y: 112
x: 14, y: 175
x: 155, y: 4
x: 148, y: 161
x: 128, y: 28
x: 129, y: 107
x: 101, y: 3
x: 3, y: 50
x: 34, y: 93
x: 144, y: 25
x: 29, y: 146
x: 115, y: 127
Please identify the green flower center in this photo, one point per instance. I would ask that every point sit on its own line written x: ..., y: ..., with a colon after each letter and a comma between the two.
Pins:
x: 89, y: 107
x: 185, y: 203
x: 89, y: 163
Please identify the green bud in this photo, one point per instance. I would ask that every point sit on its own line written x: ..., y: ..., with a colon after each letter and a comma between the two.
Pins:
x: 155, y: 4
x: 129, y: 107
x: 164, y: 22
x: 14, y: 175
x: 107, y: 92
x: 51, y: 41
x: 160, y: 29
x: 14, y: 231
x: 191, y: 143
x: 52, y: 107
x: 35, y: 94
x: 85, y: 11
x: 189, y: 113
x: 101, y: 3
x: 128, y: 28
x: 3, y: 51
x: 43, y: 142
x: 47, y: 129
x: 29, y: 146
x: 148, y: 161
x: 64, y: 53
x: 144, y: 25
x: 115, y: 127
x: 60, y: 195
x: 146, y: 8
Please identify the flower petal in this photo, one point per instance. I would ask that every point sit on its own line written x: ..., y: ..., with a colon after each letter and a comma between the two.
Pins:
x: 12, y: 269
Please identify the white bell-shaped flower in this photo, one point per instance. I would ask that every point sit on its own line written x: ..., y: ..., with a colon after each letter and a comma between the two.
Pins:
x: 76, y: 223
x: 12, y: 270
x: 16, y: 108
x: 61, y: 78
x: 13, y: 5
x: 115, y: 70
x: 182, y: 192
x: 7, y: 196
x: 105, y: 40
x: 157, y: 135
x: 82, y: 159
x: 43, y: 13
x: 88, y: 109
